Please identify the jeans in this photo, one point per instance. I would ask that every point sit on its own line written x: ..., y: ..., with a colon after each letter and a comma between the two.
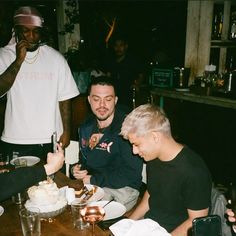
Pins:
x: 127, y: 196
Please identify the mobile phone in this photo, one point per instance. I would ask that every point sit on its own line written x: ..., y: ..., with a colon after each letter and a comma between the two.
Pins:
x: 207, y: 226
x: 54, y: 142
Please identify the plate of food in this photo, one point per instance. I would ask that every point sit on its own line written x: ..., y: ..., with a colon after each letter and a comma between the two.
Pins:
x: 112, y: 210
x: 31, y: 160
x: 90, y: 193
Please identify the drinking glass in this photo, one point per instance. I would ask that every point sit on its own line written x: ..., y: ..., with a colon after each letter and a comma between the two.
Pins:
x: 93, y: 214
x: 19, y: 198
x: 76, y: 206
x: 30, y: 221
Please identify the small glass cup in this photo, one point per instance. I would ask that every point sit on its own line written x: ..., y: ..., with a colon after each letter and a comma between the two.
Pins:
x: 76, y: 206
x: 30, y: 221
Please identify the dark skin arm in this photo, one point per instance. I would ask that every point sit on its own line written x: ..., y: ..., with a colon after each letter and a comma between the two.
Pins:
x: 65, y: 109
x: 7, y: 78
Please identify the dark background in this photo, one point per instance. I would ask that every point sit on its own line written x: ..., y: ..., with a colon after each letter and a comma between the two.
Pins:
x: 150, y: 26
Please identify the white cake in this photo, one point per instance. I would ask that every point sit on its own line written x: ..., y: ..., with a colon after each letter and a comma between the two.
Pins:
x: 45, y: 196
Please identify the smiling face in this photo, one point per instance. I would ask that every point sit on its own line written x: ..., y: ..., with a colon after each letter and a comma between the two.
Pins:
x: 102, y: 100
x: 146, y: 146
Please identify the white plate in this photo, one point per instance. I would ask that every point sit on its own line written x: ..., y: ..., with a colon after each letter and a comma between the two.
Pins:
x: 98, y: 195
x: 1, y: 210
x: 112, y: 210
x: 31, y: 160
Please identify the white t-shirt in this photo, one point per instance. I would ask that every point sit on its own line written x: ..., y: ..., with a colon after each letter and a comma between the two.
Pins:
x: 32, y: 110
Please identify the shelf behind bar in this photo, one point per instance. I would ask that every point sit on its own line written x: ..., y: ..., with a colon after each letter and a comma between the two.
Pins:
x: 223, y: 43
x: 188, y: 96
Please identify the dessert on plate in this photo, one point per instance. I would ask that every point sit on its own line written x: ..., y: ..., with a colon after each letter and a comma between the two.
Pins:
x: 46, y: 196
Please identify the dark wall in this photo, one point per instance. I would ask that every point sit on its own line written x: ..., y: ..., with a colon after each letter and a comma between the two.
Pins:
x: 208, y: 130
x: 150, y: 26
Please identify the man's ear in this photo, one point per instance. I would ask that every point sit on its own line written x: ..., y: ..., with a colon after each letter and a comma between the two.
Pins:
x: 116, y: 99
x: 89, y: 100
x: 155, y: 135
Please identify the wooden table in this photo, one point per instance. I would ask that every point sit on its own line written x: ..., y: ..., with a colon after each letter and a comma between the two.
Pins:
x: 61, y: 225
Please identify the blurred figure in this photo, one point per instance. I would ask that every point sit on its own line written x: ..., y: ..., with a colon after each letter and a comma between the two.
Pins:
x: 125, y: 69
x: 39, y: 85
x: 80, y: 71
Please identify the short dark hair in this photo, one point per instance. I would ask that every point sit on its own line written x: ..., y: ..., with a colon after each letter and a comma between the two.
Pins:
x: 102, y: 80
x: 119, y: 37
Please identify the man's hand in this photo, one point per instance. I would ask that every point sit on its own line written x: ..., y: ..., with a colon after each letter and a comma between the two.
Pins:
x: 77, y: 173
x: 86, y: 179
x: 54, y: 161
x: 21, y: 50
x: 231, y: 215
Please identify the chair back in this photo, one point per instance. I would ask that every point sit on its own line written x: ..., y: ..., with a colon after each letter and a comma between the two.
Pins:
x: 71, y: 155
x: 218, y: 207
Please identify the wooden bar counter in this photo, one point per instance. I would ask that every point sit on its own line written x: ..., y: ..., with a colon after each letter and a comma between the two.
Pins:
x: 60, y: 226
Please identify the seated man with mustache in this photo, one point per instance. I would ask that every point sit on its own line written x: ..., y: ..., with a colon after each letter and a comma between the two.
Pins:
x: 106, y: 159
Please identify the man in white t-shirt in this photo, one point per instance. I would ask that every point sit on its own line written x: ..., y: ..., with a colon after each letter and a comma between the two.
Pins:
x: 38, y: 84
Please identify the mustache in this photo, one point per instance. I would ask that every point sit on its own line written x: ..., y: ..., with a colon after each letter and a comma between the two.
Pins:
x: 102, y: 108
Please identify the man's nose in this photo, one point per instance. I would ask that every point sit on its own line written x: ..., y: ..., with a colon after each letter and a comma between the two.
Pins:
x: 30, y: 35
x: 102, y: 102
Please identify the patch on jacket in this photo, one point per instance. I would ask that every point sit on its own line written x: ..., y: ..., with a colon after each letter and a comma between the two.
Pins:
x: 105, y: 146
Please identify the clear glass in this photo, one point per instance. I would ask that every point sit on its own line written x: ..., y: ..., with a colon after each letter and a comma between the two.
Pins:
x: 76, y: 206
x: 30, y: 221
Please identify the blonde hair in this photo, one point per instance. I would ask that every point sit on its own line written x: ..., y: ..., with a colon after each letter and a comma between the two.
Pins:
x: 146, y: 118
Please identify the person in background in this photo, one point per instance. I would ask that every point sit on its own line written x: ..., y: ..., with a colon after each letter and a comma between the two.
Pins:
x: 38, y: 84
x: 106, y: 159
x: 126, y: 70
x: 22, y: 178
x: 80, y: 71
x: 178, y: 181
x: 231, y: 218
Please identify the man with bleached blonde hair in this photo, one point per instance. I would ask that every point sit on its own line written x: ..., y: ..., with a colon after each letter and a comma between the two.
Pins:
x: 178, y: 181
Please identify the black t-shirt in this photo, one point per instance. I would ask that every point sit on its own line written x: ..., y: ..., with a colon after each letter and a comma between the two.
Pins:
x: 175, y: 186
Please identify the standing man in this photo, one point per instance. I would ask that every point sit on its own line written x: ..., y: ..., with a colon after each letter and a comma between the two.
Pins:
x: 126, y: 71
x: 39, y: 86
x: 178, y: 181
x: 106, y: 158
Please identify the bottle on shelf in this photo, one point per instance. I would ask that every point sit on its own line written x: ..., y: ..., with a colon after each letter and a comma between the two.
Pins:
x: 233, y: 26
x: 220, y: 25
x: 217, y: 25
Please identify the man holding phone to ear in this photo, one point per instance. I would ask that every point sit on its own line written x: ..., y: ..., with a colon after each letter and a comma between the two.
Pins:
x: 39, y: 85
